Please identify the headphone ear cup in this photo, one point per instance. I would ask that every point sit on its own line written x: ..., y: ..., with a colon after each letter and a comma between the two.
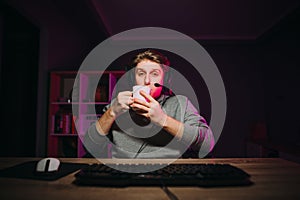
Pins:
x: 167, y: 79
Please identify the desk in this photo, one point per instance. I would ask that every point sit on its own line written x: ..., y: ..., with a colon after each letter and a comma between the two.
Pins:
x: 265, y: 148
x: 273, y: 178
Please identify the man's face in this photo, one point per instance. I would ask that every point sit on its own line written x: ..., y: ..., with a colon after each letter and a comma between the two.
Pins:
x: 147, y: 73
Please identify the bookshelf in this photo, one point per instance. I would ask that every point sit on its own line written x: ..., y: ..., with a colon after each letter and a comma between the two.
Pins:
x: 69, y: 116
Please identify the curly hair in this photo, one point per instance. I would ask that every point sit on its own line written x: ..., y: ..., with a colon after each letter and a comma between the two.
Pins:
x: 151, y: 55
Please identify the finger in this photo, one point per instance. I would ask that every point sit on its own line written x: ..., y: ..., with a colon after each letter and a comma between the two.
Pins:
x: 124, y: 108
x: 130, y: 101
x: 140, y: 107
x: 142, y: 102
x: 147, y: 96
x: 126, y: 93
x: 126, y: 100
x: 143, y: 114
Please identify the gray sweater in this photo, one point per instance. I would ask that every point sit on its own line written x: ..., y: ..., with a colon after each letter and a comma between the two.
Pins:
x: 133, y: 136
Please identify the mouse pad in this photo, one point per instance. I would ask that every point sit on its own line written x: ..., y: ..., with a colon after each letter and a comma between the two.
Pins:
x: 27, y: 171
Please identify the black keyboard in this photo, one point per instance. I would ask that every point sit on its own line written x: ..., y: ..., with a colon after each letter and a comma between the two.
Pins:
x: 204, y: 175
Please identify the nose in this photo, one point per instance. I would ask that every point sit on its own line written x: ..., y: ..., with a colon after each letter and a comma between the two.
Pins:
x: 147, y: 79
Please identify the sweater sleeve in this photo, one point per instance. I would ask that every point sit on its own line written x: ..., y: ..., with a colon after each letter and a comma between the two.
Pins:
x: 96, y: 144
x: 197, y: 134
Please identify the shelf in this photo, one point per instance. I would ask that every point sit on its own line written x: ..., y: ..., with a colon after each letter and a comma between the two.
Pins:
x: 94, y: 103
x: 63, y: 134
x: 64, y: 103
x: 89, y: 93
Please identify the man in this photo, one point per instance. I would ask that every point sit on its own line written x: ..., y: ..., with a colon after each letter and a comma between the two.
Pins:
x: 163, y: 126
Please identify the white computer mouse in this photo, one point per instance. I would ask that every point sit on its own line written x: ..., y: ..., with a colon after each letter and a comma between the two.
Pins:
x: 48, y: 165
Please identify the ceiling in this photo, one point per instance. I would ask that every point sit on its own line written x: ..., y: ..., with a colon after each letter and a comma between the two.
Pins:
x: 199, y: 19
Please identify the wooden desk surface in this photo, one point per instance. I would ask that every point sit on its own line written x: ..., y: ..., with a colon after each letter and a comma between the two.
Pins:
x: 273, y: 178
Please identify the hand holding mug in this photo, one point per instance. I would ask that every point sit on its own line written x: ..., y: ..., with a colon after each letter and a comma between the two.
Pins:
x: 122, y: 102
x: 150, y: 109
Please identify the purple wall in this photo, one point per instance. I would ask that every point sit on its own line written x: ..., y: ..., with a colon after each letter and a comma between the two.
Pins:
x: 260, y: 77
x: 242, y: 78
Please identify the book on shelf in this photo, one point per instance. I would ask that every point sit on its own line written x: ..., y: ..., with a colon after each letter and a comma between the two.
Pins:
x: 66, y: 126
x: 63, y: 123
x: 73, y: 126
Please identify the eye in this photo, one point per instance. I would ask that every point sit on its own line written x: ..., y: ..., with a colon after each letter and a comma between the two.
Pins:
x: 141, y: 73
x: 155, y: 74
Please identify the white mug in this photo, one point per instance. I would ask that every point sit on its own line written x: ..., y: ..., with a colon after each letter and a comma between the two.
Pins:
x: 136, y: 91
